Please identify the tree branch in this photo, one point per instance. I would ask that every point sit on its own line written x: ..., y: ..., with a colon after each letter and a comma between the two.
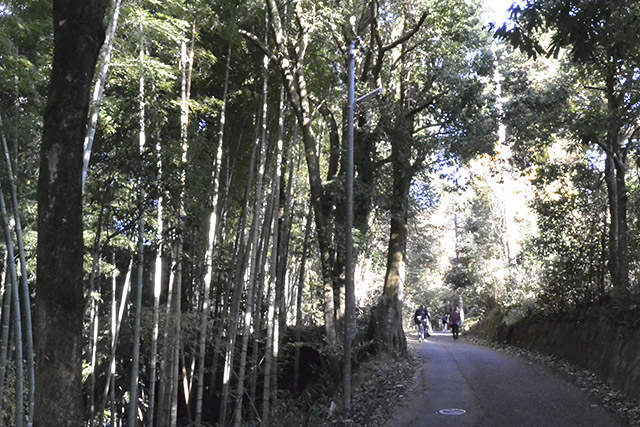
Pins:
x: 260, y: 45
x: 420, y: 108
x: 382, y: 162
x: 384, y: 49
x: 601, y: 89
x: 407, y: 36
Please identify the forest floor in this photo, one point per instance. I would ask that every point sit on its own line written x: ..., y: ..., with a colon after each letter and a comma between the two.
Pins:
x: 388, y: 381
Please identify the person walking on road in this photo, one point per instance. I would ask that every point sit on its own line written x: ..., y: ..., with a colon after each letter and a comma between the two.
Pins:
x: 455, y: 321
x: 428, y: 329
x: 420, y: 318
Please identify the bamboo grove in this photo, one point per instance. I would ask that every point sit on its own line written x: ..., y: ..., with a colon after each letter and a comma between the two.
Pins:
x: 192, y: 269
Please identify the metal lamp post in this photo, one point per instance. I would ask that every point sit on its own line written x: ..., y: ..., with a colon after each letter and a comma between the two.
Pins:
x: 349, y: 285
x: 350, y: 300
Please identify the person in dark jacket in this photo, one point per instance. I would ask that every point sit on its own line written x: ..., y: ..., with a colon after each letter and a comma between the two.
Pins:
x: 455, y: 321
x: 420, y: 318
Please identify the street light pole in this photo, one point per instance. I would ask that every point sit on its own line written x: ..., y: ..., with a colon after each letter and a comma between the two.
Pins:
x: 350, y: 301
x: 350, y: 298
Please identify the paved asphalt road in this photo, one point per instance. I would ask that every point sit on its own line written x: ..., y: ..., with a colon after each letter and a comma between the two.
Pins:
x: 494, y: 389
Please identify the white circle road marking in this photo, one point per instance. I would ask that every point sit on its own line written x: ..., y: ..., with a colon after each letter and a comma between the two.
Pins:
x: 452, y: 411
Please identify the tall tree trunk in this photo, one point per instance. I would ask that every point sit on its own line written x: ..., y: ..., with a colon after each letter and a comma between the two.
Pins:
x: 104, y: 61
x: 301, y: 278
x: 116, y: 323
x: 386, y: 321
x: 272, y: 228
x: 235, y: 306
x: 277, y: 252
x: 263, y: 251
x: 240, y: 255
x: 267, y: 390
x: 166, y: 362
x: 110, y: 386
x: 4, y: 343
x: 254, y: 257
x: 91, y: 302
x: 17, y: 320
x: 157, y: 290
x: 615, y: 178
x: 251, y: 286
x: 618, y: 228
x: 24, y: 277
x: 179, y: 243
x: 93, y: 348
x: 295, y: 84
x: 135, y: 357
x: 213, y: 227
x: 285, y: 218
x: 171, y: 361
x: 78, y: 35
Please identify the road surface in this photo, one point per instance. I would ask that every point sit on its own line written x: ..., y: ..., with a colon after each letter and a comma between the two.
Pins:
x: 462, y: 385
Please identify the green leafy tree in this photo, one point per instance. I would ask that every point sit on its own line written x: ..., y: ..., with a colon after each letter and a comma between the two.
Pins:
x: 441, y: 108
x: 601, y: 40
x: 572, y: 238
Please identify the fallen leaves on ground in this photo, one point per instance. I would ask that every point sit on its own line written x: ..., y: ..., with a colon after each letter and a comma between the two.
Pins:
x: 375, y: 398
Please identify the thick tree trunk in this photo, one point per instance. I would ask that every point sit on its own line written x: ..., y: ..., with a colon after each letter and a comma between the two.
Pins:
x: 618, y: 228
x: 78, y: 34
x: 615, y: 177
x: 386, y: 321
